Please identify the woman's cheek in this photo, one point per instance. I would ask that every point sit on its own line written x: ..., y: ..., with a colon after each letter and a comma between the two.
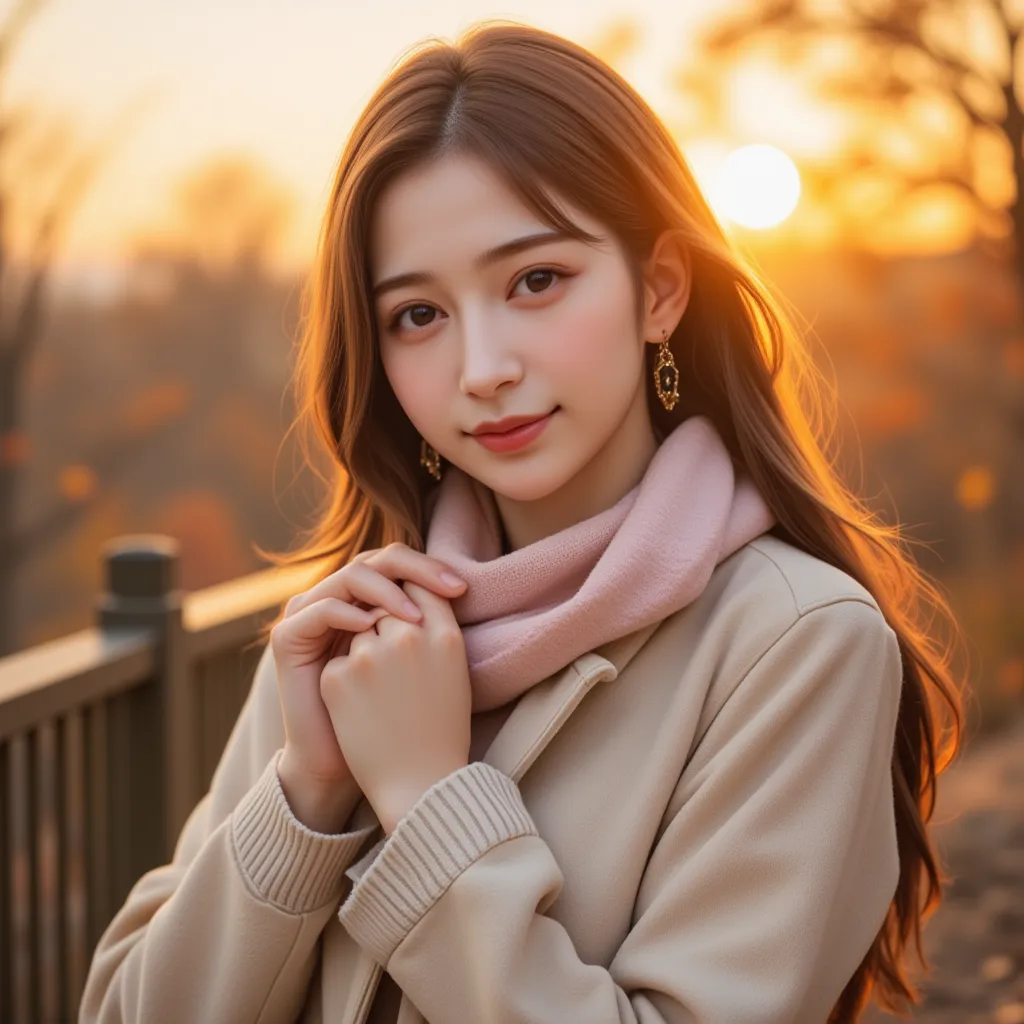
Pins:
x: 413, y: 381
x: 589, y: 343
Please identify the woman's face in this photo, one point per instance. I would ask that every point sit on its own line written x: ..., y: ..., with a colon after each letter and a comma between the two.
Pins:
x: 489, y: 315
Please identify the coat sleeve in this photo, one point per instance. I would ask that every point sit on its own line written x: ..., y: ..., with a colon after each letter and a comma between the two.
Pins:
x: 227, y: 931
x: 772, y: 872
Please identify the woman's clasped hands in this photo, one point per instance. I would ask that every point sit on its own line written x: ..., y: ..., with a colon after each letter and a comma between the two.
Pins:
x: 374, y: 687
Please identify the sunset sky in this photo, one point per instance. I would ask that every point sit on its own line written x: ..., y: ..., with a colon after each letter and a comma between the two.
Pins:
x: 282, y: 83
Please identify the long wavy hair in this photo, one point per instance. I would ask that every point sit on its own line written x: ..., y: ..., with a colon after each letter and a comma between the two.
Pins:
x: 549, y: 116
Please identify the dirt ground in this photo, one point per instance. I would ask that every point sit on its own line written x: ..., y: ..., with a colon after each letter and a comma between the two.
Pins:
x: 975, y: 941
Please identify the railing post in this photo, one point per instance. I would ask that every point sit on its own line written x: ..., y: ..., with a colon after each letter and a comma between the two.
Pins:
x: 142, y: 591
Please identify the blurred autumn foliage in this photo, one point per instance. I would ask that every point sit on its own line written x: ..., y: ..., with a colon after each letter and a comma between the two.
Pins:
x: 190, y: 360
x: 925, y: 355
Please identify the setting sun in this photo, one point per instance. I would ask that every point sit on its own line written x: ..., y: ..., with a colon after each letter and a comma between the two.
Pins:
x: 758, y: 186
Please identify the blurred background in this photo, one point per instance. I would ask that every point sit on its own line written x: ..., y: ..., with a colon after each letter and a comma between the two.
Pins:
x: 163, y: 169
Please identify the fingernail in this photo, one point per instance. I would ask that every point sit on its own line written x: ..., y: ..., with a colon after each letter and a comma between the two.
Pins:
x: 451, y: 579
x: 411, y: 608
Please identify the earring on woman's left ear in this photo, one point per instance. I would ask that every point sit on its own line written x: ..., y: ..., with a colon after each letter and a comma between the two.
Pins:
x: 666, y: 375
x: 430, y: 458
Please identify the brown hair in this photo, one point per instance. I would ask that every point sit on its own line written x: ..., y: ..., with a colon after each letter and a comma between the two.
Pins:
x: 548, y: 115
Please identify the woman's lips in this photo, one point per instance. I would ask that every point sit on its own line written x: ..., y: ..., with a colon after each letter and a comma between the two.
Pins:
x: 517, y: 437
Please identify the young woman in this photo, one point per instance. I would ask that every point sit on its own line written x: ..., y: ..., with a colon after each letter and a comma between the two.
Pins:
x: 665, y: 748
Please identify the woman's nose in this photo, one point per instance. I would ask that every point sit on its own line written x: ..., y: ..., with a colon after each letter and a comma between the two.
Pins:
x: 487, y: 362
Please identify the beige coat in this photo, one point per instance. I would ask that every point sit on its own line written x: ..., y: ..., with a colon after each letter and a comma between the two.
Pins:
x: 692, y: 823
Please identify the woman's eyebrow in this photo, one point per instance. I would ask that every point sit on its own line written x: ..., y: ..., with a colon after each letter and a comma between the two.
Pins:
x: 486, y: 259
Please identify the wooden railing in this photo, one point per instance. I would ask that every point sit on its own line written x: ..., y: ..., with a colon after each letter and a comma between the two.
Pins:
x: 108, y: 739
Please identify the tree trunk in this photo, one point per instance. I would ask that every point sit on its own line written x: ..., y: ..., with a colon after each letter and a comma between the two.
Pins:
x: 11, y: 384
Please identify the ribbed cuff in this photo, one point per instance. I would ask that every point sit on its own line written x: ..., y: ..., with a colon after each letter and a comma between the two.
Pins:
x: 454, y: 823
x: 360, y: 867
x: 286, y: 863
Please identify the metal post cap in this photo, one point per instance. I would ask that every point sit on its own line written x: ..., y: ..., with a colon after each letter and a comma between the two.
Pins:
x: 141, y: 565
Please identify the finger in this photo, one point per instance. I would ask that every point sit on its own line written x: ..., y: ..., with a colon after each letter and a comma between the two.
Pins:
x: 361, y: 640
x: 381, y: 591
x: 388, y: 625
x: 361, y: 582
x: 434, y: 607
x: 395, y: 562
x: 325, y: 615
x: 399, y: 561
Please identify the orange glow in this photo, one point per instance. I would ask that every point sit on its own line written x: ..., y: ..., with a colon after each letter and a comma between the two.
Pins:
x: 893, y: 413
x: 1011, y: 677
x: 14, y: 448
x: 154, y: 406
x: 1013, y: 358
x: 76, y: 483
x: 976, y: 488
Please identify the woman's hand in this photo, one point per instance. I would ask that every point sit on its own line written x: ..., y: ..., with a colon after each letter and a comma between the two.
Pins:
x: 319, y: 624
x: 401, y: 705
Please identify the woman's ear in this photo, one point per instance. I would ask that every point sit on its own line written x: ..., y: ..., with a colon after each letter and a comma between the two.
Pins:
x: 667, y: 277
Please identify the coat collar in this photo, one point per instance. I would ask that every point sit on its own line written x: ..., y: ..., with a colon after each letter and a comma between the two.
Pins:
x: 545, y: 708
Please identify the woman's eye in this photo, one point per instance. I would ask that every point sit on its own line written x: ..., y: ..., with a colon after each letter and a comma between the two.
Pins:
x: 539, y: 280
x: 419, y: 315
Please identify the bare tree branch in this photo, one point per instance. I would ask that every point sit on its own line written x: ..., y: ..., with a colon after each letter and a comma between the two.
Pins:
x: 20, y: 331
x: 786, y: 23
x: 903, y: 53
x: 16, y: 341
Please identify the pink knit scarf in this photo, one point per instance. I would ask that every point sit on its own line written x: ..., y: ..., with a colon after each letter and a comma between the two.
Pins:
x: 530, y: 612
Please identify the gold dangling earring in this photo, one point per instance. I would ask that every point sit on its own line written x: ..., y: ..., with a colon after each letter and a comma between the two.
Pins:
x: 430, y: 459
x: 666, y: 375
